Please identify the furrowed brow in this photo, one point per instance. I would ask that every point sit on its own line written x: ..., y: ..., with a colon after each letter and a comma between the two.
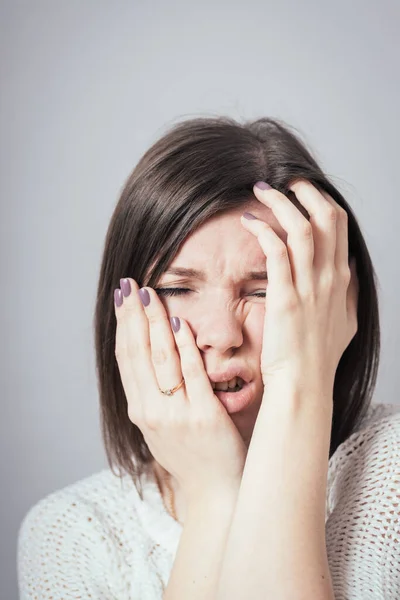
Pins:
x: 195, y: 274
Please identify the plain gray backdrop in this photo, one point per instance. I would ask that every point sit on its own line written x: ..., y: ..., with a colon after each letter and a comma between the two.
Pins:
x: 86, y: 87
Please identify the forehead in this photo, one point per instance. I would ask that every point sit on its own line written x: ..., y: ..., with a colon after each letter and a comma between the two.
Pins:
x: 222, y: 245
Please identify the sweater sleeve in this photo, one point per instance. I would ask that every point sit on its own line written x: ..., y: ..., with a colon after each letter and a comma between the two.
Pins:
x: 65, y: 551
x: 363, y: 529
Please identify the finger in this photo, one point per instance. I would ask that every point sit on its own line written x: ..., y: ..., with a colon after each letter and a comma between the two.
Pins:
x: 198, y: 387
x: 128, y: 379
x: 280, y: 279
x: 134, y: 350
x: 342, y: 236
x: 323, y: 218
x: 299, y: 241
x: 163, y: 353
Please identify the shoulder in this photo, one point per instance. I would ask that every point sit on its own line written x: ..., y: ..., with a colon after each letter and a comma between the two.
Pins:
x: 373, y: 442
x: 372, y: 452
x: 88, y: 496
x: 75, y: 534
x: 364, y: 506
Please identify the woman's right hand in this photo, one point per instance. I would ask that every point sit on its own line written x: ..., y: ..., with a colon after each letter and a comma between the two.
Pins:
x: 189, y: 433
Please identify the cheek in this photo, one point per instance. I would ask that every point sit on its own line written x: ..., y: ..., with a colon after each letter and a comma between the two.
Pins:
x: 253, y: 321
x: 177, y: 307
x: 173, y: 305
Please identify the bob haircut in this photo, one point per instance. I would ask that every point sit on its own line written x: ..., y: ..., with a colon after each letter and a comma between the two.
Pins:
x: 201, y: 167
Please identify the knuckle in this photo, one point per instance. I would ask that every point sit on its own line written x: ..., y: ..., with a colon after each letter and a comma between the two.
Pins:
x: 346, y: 274
x: 159, y: 355
x: 133, y: 415
x: 156, y: 319
x: 288, y: 302
x: 153, y: 318
x: 184, y: 346
x: 178, y: 421
x: 306, y: 229
x: 135, y: 347
x: 291, y: 304
x: 331, y: 214
x: 192, y: 369
x: 151, y: 420
x: 281, y: 252
x: 328, y: 279
x: 307, y: 295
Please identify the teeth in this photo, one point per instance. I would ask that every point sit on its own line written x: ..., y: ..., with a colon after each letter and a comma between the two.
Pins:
x: 224, y: 385
x: 232, y: 383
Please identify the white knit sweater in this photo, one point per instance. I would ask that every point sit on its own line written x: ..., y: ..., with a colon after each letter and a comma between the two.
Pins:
x: 97, y: 539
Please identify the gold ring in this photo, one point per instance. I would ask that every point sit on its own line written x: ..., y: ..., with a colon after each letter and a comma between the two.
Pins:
x: 170, y: 392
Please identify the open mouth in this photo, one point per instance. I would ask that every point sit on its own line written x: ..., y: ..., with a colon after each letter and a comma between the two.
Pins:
x: 236, y: 398
x: 234, y: 385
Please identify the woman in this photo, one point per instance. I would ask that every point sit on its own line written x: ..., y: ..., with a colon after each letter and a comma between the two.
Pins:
x: 286, y: 487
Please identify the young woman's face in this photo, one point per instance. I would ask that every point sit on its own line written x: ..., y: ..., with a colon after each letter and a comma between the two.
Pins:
x: 226, y: 309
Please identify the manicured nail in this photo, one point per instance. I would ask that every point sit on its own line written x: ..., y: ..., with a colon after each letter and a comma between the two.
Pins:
x: 261, y: 185
x: 144, y: 296
x: 176, y: 323
x: 248, y: 215
x: 125, y: 286
x: 118, y: 299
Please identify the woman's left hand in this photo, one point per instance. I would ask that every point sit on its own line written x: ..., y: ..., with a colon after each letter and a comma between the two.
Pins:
x: 312, y: 292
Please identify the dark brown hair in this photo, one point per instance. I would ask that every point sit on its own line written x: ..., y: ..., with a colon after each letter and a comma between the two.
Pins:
x: 200, y: 167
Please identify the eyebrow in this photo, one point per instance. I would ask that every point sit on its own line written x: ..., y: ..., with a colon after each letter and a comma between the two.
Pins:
x: 195, y: 274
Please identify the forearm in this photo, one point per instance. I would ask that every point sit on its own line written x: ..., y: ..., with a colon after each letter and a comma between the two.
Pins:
x: 198, y: 560
x: 276, y: 546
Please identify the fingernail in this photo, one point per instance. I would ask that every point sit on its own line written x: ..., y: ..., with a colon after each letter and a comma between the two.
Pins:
x: 125, y: 286
x: 118, y: 299
x: 175, y: 323
x: 261, y: 185
x: 248, y: 215
x: 144, y: 296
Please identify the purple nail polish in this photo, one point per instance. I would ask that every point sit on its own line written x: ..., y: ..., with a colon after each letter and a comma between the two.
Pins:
x: 125, y: 287
x: 175, y: 323
x: 261, y: 185
x: 248, y: 215
x: 144, y: 296
x: 118, y: 299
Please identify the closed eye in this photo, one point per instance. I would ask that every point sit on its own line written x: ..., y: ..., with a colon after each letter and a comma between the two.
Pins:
x: 181, y: 291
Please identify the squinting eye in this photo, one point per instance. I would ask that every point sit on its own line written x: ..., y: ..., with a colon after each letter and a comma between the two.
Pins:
x: 171, y: 291
x: 181, y: 291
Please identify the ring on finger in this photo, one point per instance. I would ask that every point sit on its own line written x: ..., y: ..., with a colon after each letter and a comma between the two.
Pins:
x: 173, y: 390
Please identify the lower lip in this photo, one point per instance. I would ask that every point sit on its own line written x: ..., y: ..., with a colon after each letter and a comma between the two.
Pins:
x: 236, y: 401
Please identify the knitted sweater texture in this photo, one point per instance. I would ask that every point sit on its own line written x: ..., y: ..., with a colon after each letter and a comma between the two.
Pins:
x: 96, y: 538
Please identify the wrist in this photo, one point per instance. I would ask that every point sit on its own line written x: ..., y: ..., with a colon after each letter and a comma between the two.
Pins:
x: 297, y: 392
x: 218, y: 499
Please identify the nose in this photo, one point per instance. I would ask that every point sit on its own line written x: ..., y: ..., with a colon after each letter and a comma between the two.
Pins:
x: 220, y: 328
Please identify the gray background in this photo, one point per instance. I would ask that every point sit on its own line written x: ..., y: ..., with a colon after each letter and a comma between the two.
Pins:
x: 86, y: 88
